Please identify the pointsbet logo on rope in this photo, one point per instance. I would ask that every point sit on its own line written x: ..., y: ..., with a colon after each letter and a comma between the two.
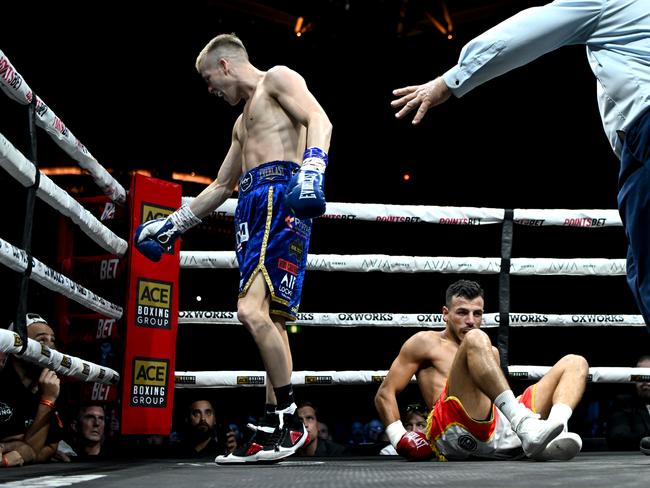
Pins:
x: 154, y: 304
x: 149, y: 382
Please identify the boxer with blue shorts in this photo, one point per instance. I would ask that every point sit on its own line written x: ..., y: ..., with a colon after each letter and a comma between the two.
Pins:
x: 269, y: 238
x: 281, y: 123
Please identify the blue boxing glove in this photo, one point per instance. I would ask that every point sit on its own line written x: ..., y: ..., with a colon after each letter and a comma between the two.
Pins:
x: 157, y: 236
x: 305, y: 195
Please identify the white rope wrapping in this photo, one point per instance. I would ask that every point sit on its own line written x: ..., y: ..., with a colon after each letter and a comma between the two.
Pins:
x: 24, y: 172
x: 596, y: 375
x: 219, y: 379
x: 13, y: 84
x: 16, y: 259
x: 567, y: 218
x: 454, y: 215
x: 424, y: 264
x: 421, y: 320
x: 61, y: 363
x: 226, y: 379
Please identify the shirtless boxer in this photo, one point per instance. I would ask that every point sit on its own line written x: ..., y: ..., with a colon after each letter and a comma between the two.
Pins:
x: 281, y: 124
x: 473, y: 411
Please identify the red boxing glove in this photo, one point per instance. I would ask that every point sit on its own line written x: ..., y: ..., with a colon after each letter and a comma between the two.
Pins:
x: 411, y: 445
x: 414, y: 445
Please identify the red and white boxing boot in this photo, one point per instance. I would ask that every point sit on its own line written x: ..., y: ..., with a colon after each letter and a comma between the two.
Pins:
x: 251, y: 451
x: 289, y: 436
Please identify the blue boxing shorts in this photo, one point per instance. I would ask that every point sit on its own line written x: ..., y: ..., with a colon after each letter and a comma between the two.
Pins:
x: 270, y: 239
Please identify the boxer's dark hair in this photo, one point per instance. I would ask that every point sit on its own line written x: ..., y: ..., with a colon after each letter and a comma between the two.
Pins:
x: 463, y: 288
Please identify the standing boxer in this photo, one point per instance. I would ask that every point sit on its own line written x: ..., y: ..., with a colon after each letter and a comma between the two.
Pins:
x: 281, y: 124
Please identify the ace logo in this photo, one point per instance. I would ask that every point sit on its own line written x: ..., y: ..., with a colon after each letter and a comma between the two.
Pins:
x: 154, y: 303
x: 150, y: 376
x: 151, y: 212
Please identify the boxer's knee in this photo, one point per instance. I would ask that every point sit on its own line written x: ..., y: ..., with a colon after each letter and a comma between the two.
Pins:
x: 576, y: 364
x: 251, y: 316
x: 477, y: 339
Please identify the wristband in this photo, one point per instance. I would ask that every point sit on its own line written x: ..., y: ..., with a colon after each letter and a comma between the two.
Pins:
x: 47, y: 403
x: 395, y: 431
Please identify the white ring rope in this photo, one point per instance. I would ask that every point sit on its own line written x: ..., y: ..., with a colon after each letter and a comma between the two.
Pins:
x: 223, y: 379
x: 24, y: 172
x: 596, y: 375
x: 419, y: 264
x: 61, y: 363
x: 16, y: 259
x: 422, y: 320
x: 13, y: 84
x: 454, y: 215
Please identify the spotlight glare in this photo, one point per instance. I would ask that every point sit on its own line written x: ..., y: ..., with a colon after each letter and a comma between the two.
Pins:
x: 198, y: 298
x: 297, y: 28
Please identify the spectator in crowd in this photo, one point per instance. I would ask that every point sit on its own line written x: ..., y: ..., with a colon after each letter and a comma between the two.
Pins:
x: 29, y: 422
x: 374, y: 431
x: 316, y: 446
x: 628, y: 428
x: 88, y: 436
x: 201, y: 437
x: 9, y: 456
x: 357, y: 434
x: 366, y: 439
x: 414, y: 420
x: 324, y: 431
x: 233, y: 430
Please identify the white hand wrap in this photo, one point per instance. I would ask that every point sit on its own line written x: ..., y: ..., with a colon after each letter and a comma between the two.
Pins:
x: 315, y: 164
x: 184, y: 219
x: 395, y: 431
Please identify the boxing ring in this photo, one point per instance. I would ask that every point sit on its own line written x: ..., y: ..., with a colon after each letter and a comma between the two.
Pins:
x: 503, y: 266
x: 589, y: 469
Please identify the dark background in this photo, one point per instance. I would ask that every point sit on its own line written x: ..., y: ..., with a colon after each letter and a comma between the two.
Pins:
x: 121, y: 76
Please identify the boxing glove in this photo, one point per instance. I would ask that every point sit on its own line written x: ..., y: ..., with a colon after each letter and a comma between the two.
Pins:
x: 157, y: 236
x: 305, y: 194
x: 411, y: 445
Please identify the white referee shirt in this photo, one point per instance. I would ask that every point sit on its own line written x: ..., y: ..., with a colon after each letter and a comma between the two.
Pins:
x: 615, y: 32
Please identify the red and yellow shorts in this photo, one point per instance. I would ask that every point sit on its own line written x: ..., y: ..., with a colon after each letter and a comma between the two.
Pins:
x: 454, y: 435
